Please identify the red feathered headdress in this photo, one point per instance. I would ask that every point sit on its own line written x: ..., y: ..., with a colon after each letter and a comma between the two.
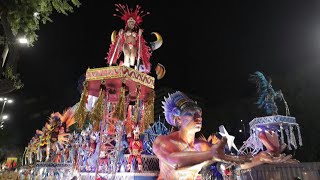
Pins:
x: 126, y: 13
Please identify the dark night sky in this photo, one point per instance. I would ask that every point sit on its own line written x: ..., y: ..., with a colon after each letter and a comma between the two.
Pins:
x: 208, y: 50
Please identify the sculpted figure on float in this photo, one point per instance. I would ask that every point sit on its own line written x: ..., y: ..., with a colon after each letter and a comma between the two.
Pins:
x: 182, y: 156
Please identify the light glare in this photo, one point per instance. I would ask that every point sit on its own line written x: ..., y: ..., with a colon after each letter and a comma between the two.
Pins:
x: 23, y: 41
x: 35, y: 14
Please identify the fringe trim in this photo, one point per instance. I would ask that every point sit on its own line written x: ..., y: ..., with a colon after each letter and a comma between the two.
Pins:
x: 81, y: 114
x: 149, y: 110
x: 288, y: 139
x: 136, y: 107
x: 97, y: 112
x: 128, y: 123
x: 119, y: 110
x: 299, y: 136
x: 292, y: 137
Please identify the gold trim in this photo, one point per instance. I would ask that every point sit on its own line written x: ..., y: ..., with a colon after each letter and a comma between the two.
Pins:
x: 102, y: 68
x: 121, y: 74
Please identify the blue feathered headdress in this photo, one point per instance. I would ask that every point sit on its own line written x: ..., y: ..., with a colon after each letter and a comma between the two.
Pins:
x: 267, y: 94
x: 172, y: 106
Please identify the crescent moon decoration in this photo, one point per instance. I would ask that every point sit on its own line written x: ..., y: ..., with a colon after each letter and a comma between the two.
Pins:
x: 160, y: 71
x: 156, y: 44
x: 113, y: 36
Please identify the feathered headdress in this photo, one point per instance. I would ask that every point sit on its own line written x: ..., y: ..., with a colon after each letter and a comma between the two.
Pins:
x: 173, y: 104
x: 126, y: 13
x: 67, y: 117
x: 267, y: 94
x: 55, y: 116
x: 55, y: 119
x: 263, y: 87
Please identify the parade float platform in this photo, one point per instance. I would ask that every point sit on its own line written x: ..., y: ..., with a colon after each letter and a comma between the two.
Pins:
x: 150, y: 170
x: 150, y: 164
x: 272, y: 122
x: 122, y: 176
x: 285, y: 126
x: 305, y: 171
x: 113, y: 78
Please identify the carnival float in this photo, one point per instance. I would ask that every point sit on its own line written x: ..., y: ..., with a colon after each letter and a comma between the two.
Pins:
x: 109, y: 133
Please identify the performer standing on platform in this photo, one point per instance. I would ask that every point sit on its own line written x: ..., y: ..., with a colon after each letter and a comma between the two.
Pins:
x: 135, y: 149
x: 181, y: 156
x: 130, y: 40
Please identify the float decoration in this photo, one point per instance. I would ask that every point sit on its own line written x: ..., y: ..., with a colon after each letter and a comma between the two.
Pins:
x: 264, y: 129
x: 80, y: 113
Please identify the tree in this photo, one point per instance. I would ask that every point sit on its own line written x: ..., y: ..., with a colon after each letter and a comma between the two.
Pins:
x: 22, y: 18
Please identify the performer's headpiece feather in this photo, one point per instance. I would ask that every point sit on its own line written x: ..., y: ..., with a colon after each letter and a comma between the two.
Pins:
x: 126, y: 13
x: 177, y: 104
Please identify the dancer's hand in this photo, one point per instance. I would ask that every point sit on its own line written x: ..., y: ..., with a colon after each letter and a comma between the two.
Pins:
x: 219, y: 155
x: 268, y: 158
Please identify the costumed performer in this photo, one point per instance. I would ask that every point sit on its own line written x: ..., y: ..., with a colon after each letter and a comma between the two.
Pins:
x: 130, y: 40
x: 181, y: 156
x: 135, y: 149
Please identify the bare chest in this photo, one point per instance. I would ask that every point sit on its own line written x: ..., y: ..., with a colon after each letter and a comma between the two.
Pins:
x: 181, y: 146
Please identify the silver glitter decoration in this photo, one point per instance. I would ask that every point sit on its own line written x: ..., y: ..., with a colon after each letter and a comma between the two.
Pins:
x: 281, y: 135
x: 299, y: 135
x: 288, y: 139
x: 293, y: 138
